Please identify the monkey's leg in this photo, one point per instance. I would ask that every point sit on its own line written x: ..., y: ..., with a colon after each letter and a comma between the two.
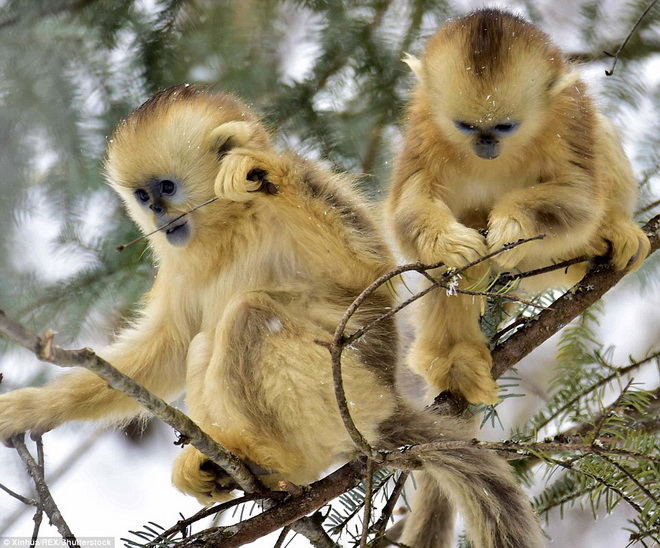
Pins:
x: 496, y: 510
x: 450, y: 350
x: 267, y: 395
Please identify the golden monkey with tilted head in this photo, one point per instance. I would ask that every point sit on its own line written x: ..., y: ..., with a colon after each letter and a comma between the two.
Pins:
x: 245, y: 286
x: 502, y: 137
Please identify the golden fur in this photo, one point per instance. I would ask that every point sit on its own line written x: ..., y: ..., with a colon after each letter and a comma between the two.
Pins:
x: 237, y: 304
x: 501, y: 136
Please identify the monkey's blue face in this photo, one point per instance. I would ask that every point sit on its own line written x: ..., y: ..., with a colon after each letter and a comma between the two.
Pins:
x: 161, y: 196
x: 486, y: 139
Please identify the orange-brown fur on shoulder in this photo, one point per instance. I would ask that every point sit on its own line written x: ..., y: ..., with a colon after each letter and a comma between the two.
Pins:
x: 502, y: 137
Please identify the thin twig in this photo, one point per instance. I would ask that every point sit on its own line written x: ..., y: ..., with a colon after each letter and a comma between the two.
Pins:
x: 368, y: 493
x: 336, y: 349
x: 380, y: 526
x: 43, y: 493
x: 41, y: 470
x: 418, y: 267
x: 632, y: 31
x: 513, y: 276
x: 282, y: 537
x: 144, y: 236
x: 21, y: 498
x: 341, y: 341
x: 183, y: 524
x: 409, y: 457
x: 494, y: 294
x: 647, y: 207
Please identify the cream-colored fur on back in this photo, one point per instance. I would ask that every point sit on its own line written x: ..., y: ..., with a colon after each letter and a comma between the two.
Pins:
x: 555, y: 167
x: 245, y: 287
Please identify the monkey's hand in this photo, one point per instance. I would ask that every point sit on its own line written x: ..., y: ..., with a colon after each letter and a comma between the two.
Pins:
x: 504, y: 229
x: 625, y: 242
x: 456, y: 246
x: 245, y: 173
x: 25, y: 411
x: 194, y: 474
x: 467, y: 370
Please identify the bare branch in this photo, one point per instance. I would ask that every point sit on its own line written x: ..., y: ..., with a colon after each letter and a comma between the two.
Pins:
x: 45, y: 499
x: 45, y: 351
x: 599, y: 280
x: 388, y: 509
x: 316, y: 495
x: 368, y: 493
x: 630, y: 34
x: 21, y: 498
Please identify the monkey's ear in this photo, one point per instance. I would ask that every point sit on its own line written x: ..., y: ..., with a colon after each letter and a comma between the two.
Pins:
x: 562, y: 82
x: 415, y: 64
x: 230, y: 135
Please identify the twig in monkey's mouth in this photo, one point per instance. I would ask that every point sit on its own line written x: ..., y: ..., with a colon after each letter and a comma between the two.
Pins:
x: 173, y: 229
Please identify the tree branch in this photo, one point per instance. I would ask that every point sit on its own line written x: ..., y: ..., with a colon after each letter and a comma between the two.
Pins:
x: 46, y: 351
x: 599, y: 280
x: 45, y: 499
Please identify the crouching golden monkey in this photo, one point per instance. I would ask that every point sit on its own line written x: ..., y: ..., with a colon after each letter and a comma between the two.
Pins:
x: 501, y: 136
x: 245, y: 285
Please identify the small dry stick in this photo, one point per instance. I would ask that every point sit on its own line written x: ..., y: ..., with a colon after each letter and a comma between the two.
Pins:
x: 44, y: 497
x: 282, y: 537
x: 41, y: 469
x: 21, y: 498
x: 340, y: 340
x: 144, y: 236
x: 388, y: 509
x: 632, y: 31
x: 368, y: 493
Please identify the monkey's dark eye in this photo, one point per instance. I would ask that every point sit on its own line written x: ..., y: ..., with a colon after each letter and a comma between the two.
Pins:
x: 167, y: 187
x: 465, y: 127
x: 142, y: 195
x: 508, y: 128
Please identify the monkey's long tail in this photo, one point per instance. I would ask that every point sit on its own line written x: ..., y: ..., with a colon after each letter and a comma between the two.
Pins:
x: 496, y: 511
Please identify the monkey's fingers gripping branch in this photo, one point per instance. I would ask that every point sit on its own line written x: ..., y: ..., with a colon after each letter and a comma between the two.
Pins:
x: 44, y: 349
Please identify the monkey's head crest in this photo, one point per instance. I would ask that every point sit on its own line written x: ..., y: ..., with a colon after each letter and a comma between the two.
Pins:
x: 489, y: 79
x: 163, y: 159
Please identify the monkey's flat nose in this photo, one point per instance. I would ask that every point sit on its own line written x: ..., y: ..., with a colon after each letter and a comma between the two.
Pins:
x: 157, y: 208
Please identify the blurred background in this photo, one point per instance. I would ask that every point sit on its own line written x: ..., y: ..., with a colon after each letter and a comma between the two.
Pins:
x: 328, y: 75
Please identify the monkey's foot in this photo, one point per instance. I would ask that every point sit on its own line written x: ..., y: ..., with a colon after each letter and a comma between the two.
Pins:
x: 626, y: 243
x: 194, y: 474
x: 466, y: 370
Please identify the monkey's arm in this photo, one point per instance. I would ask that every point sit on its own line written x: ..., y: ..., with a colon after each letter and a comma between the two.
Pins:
x: 152, y: 352
x: 566, y: 208
x: 426, y: 228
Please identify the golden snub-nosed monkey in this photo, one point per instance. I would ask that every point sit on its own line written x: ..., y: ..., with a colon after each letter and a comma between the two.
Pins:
x: 502, y: 139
